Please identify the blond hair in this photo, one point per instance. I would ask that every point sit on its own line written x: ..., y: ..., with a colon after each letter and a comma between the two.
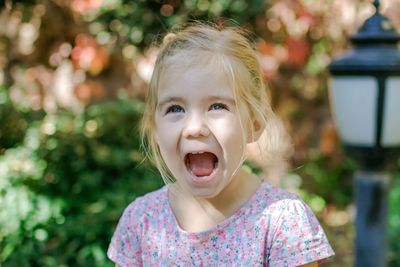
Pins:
x: 200, y: 43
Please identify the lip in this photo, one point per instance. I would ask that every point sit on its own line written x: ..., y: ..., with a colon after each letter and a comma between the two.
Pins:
x: 197, y: 151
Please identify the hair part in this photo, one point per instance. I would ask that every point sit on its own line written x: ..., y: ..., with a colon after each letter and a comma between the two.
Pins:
x: 201, y: 43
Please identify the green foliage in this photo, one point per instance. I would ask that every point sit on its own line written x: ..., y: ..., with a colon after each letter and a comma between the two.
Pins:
x: 13, y: 123
x: 394, y: 222
x: 332, y: 182
x: 138, y: 22
x: 65, y: 178
x: 65, y: 186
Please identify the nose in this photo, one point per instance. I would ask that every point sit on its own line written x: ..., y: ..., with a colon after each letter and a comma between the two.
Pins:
x: 195, y: 127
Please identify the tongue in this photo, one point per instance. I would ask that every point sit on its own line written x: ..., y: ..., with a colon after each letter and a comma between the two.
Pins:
x: 201, y: 164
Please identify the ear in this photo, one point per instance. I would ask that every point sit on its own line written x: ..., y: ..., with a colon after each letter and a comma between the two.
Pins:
x: 258, y: 127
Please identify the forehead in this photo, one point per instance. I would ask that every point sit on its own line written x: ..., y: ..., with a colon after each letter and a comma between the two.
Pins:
x: 195, y: 81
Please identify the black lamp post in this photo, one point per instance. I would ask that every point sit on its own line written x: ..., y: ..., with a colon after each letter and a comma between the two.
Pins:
x: 365, y: 100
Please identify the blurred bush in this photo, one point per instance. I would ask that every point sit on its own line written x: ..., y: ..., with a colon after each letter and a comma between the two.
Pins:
x: 65, y: 182
x: 73, y: 74
x: 394, y: 222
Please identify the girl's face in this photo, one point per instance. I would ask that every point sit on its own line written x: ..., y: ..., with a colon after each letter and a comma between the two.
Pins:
x: 198, y: 129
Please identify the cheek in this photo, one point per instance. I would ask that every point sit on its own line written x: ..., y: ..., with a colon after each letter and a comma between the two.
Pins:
x: 228, y: 132
x: 166, y: 137
x: 164, y: 141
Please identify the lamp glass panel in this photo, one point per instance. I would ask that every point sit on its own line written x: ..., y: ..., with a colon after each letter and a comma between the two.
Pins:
x: 353, y: 100
x: 391, y: 119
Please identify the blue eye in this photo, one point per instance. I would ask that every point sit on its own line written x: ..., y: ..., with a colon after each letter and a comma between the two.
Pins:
x: 218, y: 106
x: 174, y: 109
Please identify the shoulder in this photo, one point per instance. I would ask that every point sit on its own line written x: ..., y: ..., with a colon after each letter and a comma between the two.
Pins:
x: 274, y: 193
x: 284, y: 208
x: 296, y: 237
x: 278, y: 200
x: 148, y: 204
x: 125, y: 246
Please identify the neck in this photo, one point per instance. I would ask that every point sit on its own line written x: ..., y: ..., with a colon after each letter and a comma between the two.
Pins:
x: 197, y: 214
x: 238, y: 192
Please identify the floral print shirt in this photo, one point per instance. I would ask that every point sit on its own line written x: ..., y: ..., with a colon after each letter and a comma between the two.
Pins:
x: 274, y: 228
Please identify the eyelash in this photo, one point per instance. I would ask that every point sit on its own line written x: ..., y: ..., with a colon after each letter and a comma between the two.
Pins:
x: 173, y: 108
x: 221, y: 105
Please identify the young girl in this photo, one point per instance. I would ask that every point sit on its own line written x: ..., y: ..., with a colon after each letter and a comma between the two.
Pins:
x: 207, y: 102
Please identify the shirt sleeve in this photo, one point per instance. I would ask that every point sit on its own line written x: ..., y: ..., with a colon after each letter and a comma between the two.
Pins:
x: 125, y: 248
x: 297, y: 237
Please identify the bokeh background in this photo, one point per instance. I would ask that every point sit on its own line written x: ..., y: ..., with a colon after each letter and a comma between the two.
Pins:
x: 73, y: 76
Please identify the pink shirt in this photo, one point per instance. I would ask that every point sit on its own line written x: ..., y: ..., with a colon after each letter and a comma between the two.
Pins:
x: 274, y: 228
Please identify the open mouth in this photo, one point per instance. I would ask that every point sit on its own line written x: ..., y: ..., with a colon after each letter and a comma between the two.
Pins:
x: 201, y: 164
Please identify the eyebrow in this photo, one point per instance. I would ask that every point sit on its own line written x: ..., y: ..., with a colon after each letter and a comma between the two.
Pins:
x: 227, y: 99
x: 223, y: 98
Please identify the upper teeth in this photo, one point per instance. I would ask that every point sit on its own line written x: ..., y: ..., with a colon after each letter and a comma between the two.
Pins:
x: 200, y: 152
